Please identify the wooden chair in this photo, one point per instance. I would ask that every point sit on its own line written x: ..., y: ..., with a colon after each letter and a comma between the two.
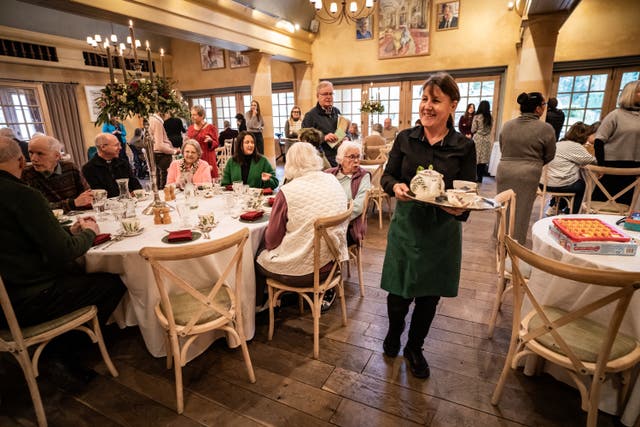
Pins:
x: 504, y: 227
x: 377, y: 196
x: 321, y: 239
x: 611, y: 205
x: 17, y: 340
x: 224, y: 153
x: 355, y: 250
x: 197, y: 310
x: 567, y: 338
x: 553, y: 195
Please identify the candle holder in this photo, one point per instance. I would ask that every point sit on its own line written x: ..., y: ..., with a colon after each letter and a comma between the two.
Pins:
x: 151, y: 161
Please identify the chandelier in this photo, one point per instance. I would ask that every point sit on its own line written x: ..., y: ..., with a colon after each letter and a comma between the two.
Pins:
x: 340, y: 11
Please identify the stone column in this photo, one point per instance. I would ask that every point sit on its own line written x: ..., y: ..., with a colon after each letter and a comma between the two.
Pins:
x: 304, y: 90
x: 261, y: 92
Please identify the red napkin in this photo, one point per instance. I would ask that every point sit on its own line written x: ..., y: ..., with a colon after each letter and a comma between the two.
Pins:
x: 229, y: 187
x: 270, y: 200
x: 252, y: 215
x: 101, y: 238
x: 267, y: 191
x: 180, y: 236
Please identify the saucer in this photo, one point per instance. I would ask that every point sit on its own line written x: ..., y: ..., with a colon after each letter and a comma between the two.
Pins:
x: 134, y: 233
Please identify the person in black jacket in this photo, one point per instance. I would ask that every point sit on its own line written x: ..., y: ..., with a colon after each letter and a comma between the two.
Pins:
x: 555, y: 117
x: 175, y: 130
x: 324, y: 117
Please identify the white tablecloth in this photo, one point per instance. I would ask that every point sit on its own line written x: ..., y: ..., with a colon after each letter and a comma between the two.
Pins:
x: 568, y: 295
x: 496, y: 154
x: 137, y: 307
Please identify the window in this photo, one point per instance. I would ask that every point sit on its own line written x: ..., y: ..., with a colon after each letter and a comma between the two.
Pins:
x: 348, y: 101
x: 389, y: 97
x: 20, y: 110
x: 472, y: 93
x: 282, y: 104
x: 206, y: 103
x: 225, y: 110
x: 626, y: 78
x: 581, y: 97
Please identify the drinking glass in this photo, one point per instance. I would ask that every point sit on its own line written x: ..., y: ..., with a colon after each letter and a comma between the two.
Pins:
x: 184, y: 211
x: 99, y: 197
x: 229, y: 202
x: 123, y: 187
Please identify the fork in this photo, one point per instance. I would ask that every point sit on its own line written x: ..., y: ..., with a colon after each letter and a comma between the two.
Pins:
x: 114, y: 239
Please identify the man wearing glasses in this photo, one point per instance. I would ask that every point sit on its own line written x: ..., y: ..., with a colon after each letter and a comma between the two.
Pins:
x: 324, y: 117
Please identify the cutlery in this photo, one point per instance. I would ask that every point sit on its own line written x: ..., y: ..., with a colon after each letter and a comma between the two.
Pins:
x: 114, y: 239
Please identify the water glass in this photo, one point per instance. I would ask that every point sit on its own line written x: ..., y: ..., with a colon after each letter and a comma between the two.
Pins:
x: 229, y: 202
x: 183, y: 212
x: 237, y: 187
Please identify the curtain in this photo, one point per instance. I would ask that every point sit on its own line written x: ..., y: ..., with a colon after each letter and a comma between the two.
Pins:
x: 65, y: 119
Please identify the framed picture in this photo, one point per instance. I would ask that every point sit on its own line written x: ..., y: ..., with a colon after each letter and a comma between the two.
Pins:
x: 364, y: 28
x: 403, y: 28
x: 93, y: 92
x: 238, y: 60
x: 448, y: 15
x: 211, y: 57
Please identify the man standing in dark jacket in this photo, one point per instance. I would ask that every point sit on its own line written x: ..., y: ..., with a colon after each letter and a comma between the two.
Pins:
x: 324, y: 117
x: 555, y: 117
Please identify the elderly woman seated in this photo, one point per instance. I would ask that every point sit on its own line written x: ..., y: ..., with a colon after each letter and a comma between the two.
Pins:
x: 355, y: 182
x: 308, y: 194
x: 249, y: 166
x: 191, y: 168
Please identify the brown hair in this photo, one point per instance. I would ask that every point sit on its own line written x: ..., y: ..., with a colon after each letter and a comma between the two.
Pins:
x: 447, y: 85
x: 579, y: 132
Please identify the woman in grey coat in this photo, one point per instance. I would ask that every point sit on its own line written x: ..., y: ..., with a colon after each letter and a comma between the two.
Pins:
x: 527, y: 144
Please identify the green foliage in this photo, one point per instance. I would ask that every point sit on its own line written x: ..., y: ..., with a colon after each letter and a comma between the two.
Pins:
x: 371, y: 106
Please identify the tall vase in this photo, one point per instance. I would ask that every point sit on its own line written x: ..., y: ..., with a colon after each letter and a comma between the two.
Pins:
x: 151, y: 161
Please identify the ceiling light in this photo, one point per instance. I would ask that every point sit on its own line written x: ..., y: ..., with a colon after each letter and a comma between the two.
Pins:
x: 341, y: 11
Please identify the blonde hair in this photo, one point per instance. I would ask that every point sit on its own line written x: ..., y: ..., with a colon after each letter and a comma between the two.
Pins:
x: 195, y: 144
x: 628, y: 95
x: 302, y: 158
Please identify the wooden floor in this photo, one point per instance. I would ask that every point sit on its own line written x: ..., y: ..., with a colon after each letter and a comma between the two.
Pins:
x: 352, y: 384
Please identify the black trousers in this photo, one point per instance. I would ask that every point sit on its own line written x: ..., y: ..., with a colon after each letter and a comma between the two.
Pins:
x: 259, y: 141
x: 162, y: 165
x: 68, y: 293
x: 424, y: 311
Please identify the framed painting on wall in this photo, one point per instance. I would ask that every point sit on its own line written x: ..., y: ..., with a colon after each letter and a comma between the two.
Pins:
x: 238, y: 60
x: 363, y: 29
x: 211, y: 57
x: 448, y: 15
x: 92, y: 93
x: 403, y: 28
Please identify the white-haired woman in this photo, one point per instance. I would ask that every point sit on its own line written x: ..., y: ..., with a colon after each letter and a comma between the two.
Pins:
x: 191, y: 168
x: 309, y: 194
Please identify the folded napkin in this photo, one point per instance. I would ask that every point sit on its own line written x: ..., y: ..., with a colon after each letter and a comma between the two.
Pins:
x: 229, y: 187
x: 267, y: 191
x: 101, y: 238
x: 180, y: 236
x: 270, y: 200
x: 252, y: 215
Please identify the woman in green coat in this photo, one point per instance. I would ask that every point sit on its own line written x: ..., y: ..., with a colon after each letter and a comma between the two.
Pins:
x: 249, y: 166
x: 424, y: 245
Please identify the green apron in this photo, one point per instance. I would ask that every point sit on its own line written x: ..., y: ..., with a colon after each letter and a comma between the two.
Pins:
x: 424, y: 248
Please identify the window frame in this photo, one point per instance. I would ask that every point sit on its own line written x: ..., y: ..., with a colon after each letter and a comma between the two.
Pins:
x: 42, y: 105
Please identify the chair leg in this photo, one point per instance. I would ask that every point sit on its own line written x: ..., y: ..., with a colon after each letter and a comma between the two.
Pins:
x: 103, y: 347
x: 379, y: 206
x: 315, y: 312
x: 177, y: 367
x: 496, y: 306
x: 247, y: 360
x: 343, y: 304
x: 300, y: 304
x: 497, y: 393
x: 271, y: 316
x: 360, y: 273
x: 594, y: 400
x: 27, y: 370
x: 167, y: 345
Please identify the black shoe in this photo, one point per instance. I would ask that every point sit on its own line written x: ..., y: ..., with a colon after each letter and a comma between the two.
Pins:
x: 417, y: 363
x: 391, y: 346
x: 327, y: 300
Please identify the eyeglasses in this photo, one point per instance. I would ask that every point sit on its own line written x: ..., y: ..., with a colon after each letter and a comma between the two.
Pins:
x: 326, y: 94
x: 296, y: 111
x: 353, y: 157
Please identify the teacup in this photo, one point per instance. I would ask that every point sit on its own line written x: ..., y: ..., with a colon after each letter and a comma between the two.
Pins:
x: 139, y: 194
x: 460, y: 198
x: 468, y: 186
x: 130, y: 225
x: 206, y: 220
x: 58, y: 213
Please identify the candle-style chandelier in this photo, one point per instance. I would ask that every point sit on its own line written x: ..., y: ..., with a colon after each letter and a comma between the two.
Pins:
x: 341, y: 11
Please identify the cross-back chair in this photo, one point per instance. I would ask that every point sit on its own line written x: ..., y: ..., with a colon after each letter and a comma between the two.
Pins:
x: 553, y: 195
x: 611, y: 205
x: 505, y: 223
x: 377, y: 195
x: 567, y: 337
x: 223, y: 153
x: 321, y: 239
x: 17, y: 340
x: 355, y: 250
x: 194, y: 310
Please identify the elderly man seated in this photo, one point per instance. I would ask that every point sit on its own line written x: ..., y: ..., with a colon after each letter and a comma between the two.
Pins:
x: 105, y: 167
x: 373, y: 142
x: 59, y: 181
x: 38, y: 270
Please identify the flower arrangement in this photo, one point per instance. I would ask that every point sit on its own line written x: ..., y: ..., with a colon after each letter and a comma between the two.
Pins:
x: 371, y: 106
x: 137, y: 97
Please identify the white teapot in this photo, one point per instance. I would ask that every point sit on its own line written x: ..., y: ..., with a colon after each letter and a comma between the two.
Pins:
x: 427, y: 184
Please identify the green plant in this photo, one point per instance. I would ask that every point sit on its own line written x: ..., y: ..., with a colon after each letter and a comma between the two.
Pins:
x: 371, y: 106
x: 138, y: 97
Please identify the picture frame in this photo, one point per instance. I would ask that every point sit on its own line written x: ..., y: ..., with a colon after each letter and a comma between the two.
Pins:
x: 238, y: 60
x: 364, y: 29
x: 211, y: 57
x: 92, y: 93
x: 403, y: 28
x: 448, y: 15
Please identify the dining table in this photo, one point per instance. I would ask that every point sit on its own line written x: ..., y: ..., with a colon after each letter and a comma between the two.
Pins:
x: 122, y: 257
x: 568, y: 295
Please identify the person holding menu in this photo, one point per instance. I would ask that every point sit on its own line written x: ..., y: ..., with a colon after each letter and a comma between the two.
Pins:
x: 326, y: 118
